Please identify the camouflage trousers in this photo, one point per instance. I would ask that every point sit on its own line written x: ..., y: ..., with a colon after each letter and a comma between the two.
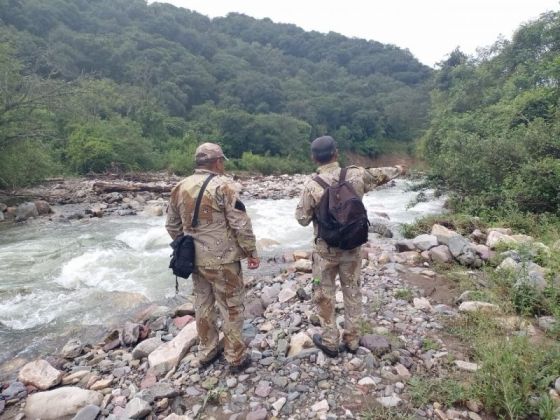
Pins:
x: 326, y: 266
x: 223, y: 286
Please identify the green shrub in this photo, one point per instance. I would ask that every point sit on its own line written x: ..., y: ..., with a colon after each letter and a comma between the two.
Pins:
x: 268, y: 165
x: 24, y: 163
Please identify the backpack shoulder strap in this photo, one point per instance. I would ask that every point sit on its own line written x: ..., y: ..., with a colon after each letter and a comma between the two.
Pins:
x: 321, y: 182
x: 199, y: 200
x: 342, y: 175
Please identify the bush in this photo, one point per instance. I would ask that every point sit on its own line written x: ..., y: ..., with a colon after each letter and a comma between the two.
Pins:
x: 24, y: 163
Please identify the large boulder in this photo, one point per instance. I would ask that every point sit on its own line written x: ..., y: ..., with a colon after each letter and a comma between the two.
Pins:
x: 443, y: 234
x: 60, y: 403
x: 476, y: 306
x: 40, y: 374
x: 25, y: 211
x: 496, y: 237
x: 440, y: 254
x: 42, y: 207
x: 168, y: 355
x: 458, y: 245
x: 425, y: 242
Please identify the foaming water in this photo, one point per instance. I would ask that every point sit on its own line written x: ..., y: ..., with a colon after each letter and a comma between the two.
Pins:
x: 55, y: 277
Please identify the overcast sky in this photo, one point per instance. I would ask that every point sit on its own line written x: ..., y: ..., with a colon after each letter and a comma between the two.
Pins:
x: 430, y: 29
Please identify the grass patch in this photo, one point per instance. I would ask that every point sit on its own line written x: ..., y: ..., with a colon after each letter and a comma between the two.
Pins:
x: 378, y: 412
x: 424, y: 390
x: 429, y: 344
x: 364, y: 327
x: 404, y: 294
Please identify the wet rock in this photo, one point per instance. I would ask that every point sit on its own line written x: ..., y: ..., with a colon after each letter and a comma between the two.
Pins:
x: 42, y: 207
x: 130, y: 333
x: 60, y: 403
x: 25, y: 211
x: 381, y: 227
x: 72, y: 349
x: 89, y: 412
x: 168, y: 355
x: 153, y: 211
x: 16, y: 390
x: 40, y: 374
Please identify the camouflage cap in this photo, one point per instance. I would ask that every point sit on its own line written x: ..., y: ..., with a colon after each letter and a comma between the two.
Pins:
x: 209, y: 151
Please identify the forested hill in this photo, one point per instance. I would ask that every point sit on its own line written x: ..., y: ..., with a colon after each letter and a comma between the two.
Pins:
x: 137, y: 86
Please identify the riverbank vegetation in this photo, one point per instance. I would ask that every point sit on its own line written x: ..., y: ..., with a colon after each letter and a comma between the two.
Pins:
x: 122, y: 85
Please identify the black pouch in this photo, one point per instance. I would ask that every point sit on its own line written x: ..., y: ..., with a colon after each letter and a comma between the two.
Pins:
x: 182, y: 258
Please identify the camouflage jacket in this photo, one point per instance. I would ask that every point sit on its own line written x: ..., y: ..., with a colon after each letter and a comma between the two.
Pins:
x: 362, y: 179
x: 224, y: 233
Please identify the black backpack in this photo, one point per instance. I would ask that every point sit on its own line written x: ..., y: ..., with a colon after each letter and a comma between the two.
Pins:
x: 182, y: 258
x: 341, y: 215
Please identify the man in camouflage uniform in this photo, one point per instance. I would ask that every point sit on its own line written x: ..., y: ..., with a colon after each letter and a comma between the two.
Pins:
x: 223, y: 237
x: 330, y: 261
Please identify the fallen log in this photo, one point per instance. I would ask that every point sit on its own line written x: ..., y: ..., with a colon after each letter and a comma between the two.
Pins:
x: 108, y: 187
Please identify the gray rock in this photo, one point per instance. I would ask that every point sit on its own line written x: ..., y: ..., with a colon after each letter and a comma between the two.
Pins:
x: 425, y: 242
x: 60, y: 403
x: 377, y: 344
x: 186, y: 308
x: 457, y: 245
x: 25, y: 211
x: 547, y: 323
x: 72, y: 349
x: 163, y: 390
x: 168, y: 355
x: 443, y: 234
x: 468, y: 257
x: 16, y: 390
x: 89, y: 412
x: 263, y: 389
x: 137, y: 409
x: 405, y: 245
x: 1, y: 220
x: 380, y: 226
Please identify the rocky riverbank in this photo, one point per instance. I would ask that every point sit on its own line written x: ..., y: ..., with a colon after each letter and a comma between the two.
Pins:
x: 71, y: 199
x: 148, y: 369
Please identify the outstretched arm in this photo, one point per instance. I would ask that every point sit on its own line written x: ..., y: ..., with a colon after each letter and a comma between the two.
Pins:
x: 374, y: 177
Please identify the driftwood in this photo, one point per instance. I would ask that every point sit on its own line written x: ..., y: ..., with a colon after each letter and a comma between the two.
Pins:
x: 108, y: 187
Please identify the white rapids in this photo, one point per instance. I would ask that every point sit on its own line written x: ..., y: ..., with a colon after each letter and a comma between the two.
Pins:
x: 56, y: 277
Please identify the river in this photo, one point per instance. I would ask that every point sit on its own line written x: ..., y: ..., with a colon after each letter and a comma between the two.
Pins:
x: 63, y: 279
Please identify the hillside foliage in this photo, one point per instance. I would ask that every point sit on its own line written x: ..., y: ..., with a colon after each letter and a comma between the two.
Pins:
x: 93, y: 85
